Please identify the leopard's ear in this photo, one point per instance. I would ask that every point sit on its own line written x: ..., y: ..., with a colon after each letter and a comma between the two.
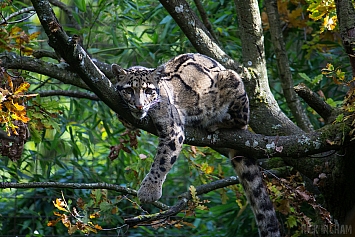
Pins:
x: 117, y: 70
x: 158, y: 73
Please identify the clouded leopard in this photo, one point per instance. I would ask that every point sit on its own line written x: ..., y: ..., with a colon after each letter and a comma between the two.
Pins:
x: 193, y: 90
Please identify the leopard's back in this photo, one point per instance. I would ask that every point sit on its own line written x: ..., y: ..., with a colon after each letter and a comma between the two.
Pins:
x: 203, y: 91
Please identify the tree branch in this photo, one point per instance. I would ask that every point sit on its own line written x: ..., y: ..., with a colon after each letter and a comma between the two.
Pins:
x: 205, y: 20
x: 68, y: 11
x: 24, y: 10
x: 75, y: 94
x: 61, y: 72
x: 284, y: 68
x: 166, y: 210
x: 314, y: 101
x: 182, y: 203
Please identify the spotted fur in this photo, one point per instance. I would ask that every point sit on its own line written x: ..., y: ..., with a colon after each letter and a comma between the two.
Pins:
x: 193, y: 90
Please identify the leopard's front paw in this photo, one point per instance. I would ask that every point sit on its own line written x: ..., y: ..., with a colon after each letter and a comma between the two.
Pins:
x: 149, y: 191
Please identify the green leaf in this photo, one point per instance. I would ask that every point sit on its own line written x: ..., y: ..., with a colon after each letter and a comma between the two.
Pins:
x: 105, y: 206
x: 340, y: 118
x: 291, y: 221
x: 80, y: 4
x: 304, y: 76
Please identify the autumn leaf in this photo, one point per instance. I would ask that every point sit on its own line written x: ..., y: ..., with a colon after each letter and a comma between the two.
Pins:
x: 329, y: 23
x: 66, y: 221
x: 34, y: 35
x: 57, y: 214
x: 53, y: 222
x: 72, y: 229
x: 19, y: 107
x: 193, y: 192
x: 80, y: 202
x: 206, y: 168
x: 98, y: 227
x: 22, y: 88
x: 178, y: 225
x: 60, y: 204
x: 94, y: 215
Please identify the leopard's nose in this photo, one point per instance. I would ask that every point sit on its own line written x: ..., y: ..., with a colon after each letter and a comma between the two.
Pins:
x: 139, y: 107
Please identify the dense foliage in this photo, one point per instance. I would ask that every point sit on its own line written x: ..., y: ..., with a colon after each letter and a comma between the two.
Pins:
x: 72, y: 139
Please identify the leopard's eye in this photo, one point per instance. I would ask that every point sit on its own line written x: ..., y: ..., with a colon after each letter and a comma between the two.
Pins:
x: 128, y: 90
x: 148, y: 91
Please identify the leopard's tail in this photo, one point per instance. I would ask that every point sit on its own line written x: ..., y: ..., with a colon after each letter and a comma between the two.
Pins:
x: 251, y: 179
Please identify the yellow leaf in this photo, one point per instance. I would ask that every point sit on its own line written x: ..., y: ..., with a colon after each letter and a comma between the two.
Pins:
x: 178, y: 225
x: 98, y: 227
x: 19, y: 107
x: 94, y: 215
x: 57, y: 213
x: 201, y: 207
x: 193, y: 191
x: 53, y: 222
x: 15, y: 30
x: 34, y: 35
x: 66, y: 221
x: 209, y: 169
x: 206, y: 168
x: 22, y: 88
x: 60, y: 204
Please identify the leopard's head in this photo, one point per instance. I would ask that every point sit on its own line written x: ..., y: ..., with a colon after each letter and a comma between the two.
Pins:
x: 138, y: 88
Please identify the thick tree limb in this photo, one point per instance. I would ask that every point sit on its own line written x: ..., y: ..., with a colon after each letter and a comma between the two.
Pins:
x: 74, y: 54
x: 265, y: 112
x: 257, y: 145
x: 283, y: 66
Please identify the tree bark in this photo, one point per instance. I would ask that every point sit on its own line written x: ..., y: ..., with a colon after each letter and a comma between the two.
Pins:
x: 339, y: 189
x: 266, y: 115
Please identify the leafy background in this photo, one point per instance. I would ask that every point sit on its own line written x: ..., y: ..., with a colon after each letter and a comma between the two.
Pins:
x: 71, y: 138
